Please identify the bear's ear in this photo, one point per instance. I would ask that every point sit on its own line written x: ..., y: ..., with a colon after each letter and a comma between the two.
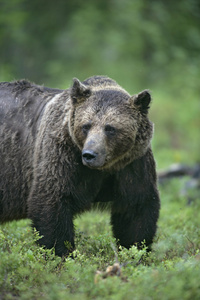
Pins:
x: 142, y: 101
x: 79, y: 92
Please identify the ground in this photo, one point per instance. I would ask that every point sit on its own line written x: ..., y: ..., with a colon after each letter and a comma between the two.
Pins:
x: 171, y: 270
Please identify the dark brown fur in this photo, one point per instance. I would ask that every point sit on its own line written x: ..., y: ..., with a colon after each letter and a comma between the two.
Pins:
x: 63, y: 151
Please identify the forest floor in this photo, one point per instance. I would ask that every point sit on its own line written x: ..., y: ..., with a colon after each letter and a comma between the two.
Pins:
x: 98, y: 271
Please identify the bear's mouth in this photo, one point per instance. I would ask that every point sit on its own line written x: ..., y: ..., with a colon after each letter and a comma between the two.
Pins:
x: 93, y: 159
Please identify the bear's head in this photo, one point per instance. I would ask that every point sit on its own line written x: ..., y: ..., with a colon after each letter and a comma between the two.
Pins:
x: 110, y: 127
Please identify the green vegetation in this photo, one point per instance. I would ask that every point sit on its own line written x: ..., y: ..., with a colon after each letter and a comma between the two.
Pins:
x: 170, y: 271
x: 141, y: 44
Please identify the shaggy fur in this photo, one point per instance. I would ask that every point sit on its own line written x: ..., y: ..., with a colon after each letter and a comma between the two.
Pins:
x: 63, y: 151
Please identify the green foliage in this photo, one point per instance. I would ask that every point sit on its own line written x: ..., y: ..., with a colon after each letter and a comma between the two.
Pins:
x: 170, y: 271
x: 137, y: 42
x: 176, y: 119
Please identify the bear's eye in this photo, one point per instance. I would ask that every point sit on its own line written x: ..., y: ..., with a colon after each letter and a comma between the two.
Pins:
x: 110, y: 130
x: 86, y: 128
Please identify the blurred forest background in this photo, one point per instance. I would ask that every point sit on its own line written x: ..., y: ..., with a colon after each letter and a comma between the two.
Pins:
x: 142, y: 44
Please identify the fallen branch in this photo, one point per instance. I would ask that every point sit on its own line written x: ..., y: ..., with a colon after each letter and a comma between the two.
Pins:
x: 191, y: 188
x: 179, y: 170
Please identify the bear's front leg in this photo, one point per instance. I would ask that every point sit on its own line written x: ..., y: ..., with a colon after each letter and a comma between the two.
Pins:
x: 135, y: 209
x: 135, y: 225
x: 54, y: 221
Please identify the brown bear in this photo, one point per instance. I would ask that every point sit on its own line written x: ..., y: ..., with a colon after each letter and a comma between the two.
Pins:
x: 62, y: 151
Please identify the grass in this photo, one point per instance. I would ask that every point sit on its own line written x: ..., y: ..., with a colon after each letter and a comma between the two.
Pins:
x: 170, y: 271
x: 176, y: 118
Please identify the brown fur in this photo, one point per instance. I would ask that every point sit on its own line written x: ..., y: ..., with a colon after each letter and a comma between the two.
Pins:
x: 63, y: 151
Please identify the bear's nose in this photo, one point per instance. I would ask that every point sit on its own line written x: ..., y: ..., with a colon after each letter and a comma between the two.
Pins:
x: 89, y: 155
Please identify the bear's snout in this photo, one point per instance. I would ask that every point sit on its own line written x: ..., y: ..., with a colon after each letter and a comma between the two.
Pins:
x: 94, y: 151
x: 93, y: 159
x: 89, y: 156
